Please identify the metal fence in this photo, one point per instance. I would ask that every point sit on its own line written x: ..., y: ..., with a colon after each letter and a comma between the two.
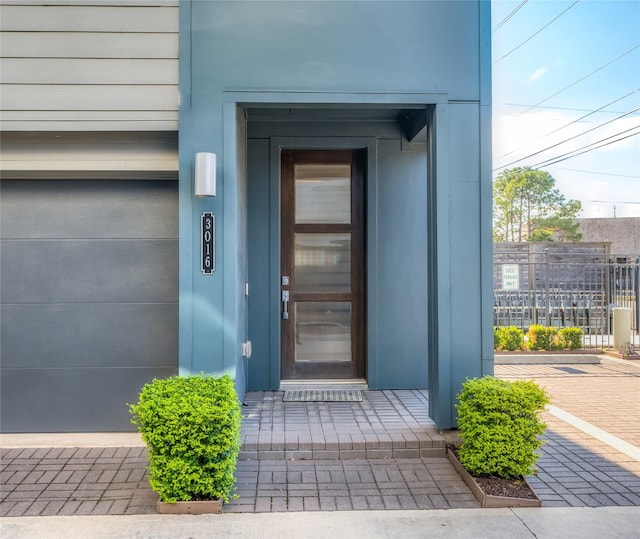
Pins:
x: 566, y: 289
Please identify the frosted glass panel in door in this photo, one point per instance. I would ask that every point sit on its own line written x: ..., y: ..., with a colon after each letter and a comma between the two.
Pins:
x: 323, y: 262
x: 323, y: 331
x: 323, y: 193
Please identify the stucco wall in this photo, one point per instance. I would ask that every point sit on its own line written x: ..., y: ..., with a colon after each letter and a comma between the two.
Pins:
x: 622, y: 233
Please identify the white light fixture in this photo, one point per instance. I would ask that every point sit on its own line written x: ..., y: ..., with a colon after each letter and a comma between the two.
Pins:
x: 205, y: 180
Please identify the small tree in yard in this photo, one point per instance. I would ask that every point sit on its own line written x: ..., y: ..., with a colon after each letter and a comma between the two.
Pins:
x: 527, y: 207
x: 500, y: 426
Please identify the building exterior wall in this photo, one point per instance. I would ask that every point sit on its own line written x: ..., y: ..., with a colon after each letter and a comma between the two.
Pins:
x: 622, y: 233
x: 94, y: 65
x: 102, y: 126
x: 315, y: 55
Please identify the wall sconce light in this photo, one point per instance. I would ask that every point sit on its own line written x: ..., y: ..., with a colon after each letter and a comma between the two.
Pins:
x: 205, y: 180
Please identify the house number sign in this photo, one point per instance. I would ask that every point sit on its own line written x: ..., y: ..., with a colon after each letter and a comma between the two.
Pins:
x: 208, y: 242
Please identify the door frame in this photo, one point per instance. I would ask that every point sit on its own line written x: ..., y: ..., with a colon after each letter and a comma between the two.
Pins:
x: 277, y: 144
x: 319, y: 370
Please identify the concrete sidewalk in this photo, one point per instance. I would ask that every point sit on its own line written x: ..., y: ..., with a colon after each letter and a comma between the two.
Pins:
x: 551, y: 523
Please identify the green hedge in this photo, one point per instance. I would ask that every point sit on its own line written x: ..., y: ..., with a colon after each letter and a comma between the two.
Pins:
x: 191, y: 426
x: 500, y: 426
x: 509, y: 338
x: 538, y: 338
x: 542, y: 338
x: 570, y: 339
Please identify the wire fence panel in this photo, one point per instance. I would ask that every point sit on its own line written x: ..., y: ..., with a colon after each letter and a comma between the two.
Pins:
x: 566, y: 289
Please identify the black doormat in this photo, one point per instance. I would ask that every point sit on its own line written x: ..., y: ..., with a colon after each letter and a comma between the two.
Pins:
x: 323, y: 395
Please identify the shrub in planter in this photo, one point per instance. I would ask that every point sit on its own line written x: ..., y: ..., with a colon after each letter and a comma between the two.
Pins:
x: 570, y: 339
x: 500, y: 425
x: 542, y: 338
x: 191, y: 426
x: 509, y: 338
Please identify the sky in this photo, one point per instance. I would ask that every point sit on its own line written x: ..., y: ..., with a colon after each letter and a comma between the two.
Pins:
x: 565, y: 86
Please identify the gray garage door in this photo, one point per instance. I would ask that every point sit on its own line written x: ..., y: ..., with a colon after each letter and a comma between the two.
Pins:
x: 89, y: 292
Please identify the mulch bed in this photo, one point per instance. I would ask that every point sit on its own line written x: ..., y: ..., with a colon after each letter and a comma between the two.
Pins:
x: 497, y: 486
x: 512, y: 488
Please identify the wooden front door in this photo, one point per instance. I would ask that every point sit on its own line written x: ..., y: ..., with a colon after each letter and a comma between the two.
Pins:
x: 322, y: 266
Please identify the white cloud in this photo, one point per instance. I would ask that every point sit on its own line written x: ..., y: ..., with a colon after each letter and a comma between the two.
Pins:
x: 538, y: 74
x: 517, y: 137
x: 530, y: 135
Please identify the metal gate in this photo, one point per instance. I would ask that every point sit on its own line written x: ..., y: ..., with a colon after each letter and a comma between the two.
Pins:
x: 566, y: 289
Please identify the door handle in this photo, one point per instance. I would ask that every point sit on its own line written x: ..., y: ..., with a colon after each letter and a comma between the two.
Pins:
x: 285, y: 305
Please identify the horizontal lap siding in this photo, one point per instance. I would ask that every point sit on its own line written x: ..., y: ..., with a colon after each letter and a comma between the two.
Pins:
x: 90, y: 45
x: 97, y: 155
x: 89, y: 71
x: 89, y: 67
x: 88, y: 97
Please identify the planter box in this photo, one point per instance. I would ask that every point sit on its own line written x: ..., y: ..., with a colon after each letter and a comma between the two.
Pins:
x: 612, y: 353
x: 488, y: 500
x: 200, y: 507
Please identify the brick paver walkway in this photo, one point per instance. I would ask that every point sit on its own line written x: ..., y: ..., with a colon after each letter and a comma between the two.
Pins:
x: 606, y: 395
x: 295, y: 456
x: 388, y: 424
x: 81, y: 481
x: 575, y: 469
x: 335, y: 485
x: 112, y: 481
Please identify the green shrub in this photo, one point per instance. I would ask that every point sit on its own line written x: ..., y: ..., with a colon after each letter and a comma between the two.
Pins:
x: 496, y: 338
x: 570, y: 339
x: 542, y: 338
x: 191, y: 426
x: 500, y: 426
x: 509, y: 338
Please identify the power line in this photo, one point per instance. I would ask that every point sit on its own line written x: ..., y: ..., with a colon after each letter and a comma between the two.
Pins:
x: 535, y: 34
x: 547, y: 162
x: 575, y: 137
x: 563, y: 157
x: 577, y: 120
x: 566, y: 156
x: 599, y: 174
x: 613, y: 201
x: 517, y: 8
x: 557, y: 108
x: 581, y: 79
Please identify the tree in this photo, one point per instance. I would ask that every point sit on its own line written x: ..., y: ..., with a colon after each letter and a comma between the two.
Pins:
x: 527, y: 207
